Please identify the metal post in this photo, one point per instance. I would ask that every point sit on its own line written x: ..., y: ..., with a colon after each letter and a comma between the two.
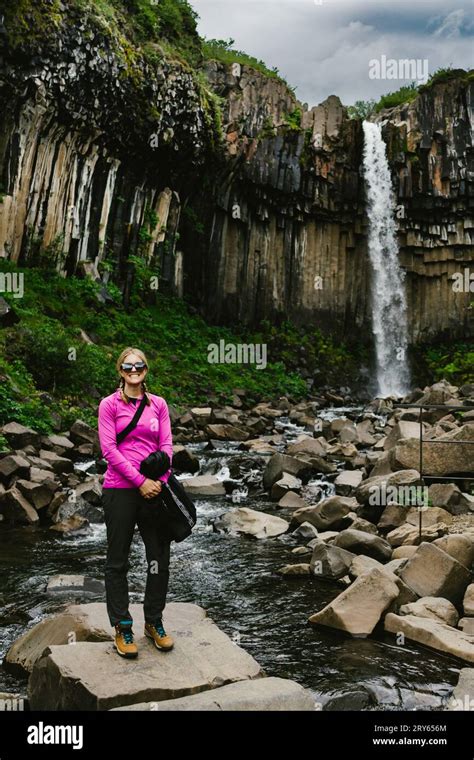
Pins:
x: 420, y: 513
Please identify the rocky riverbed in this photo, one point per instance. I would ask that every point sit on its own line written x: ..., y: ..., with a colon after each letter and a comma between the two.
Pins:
x: 307, y: 552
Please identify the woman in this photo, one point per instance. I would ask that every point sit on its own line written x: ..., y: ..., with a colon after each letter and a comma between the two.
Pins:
x: 129, y: 500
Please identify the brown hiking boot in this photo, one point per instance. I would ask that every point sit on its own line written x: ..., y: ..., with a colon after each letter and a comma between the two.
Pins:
x: 123, y: 641
x: 159, y: 635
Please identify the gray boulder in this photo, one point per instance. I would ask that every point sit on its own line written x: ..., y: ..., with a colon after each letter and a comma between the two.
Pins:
x: 432, y: 634
x: 360, y: 542
x: 19, y: 436
x: 329, y: 514
x: 251, y: 522
x: 359, y: 608
x: 277, y: 465
x: 17, y: 509
x: 330, y: 562
x: 433, y: 572
x: 12, y: 467
x: 432, y: 607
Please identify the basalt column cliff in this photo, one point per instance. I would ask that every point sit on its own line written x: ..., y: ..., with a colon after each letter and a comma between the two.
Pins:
x: 245, y: 200
x: 288, y: 235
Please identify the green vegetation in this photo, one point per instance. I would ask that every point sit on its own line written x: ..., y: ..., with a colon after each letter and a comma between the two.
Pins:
x: 139, y: 21
x: 363, y: 109
x: 32, y: 21
x: 192, y: 218
x: 293, y: 120
x: 454, y: 362
x: 145, y: 233
x: 268, y: 129
x: 213, y: 106
x: 222, y: 50
x: 294, y: 346
x: 47, y: 369
x: 405, y: 94
x: 446, y: 75
x: 44, y: 353
x: 145, y: 22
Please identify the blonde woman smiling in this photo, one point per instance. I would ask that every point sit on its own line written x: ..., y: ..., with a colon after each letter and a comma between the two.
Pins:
x: 129, y: 499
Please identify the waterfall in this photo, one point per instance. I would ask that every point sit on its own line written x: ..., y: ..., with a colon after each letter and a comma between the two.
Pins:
x: 389, y: 306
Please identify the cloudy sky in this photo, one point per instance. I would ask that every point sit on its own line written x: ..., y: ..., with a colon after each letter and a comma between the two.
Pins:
x: 325, y: 47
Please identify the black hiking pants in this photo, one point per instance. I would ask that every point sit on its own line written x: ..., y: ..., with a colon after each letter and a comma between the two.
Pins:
x: 124, y: 508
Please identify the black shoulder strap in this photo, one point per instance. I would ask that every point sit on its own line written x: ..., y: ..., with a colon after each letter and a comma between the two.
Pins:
x: 133, y: 422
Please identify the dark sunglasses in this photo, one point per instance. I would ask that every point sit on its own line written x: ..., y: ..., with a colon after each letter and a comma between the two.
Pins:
x: 127, y: 367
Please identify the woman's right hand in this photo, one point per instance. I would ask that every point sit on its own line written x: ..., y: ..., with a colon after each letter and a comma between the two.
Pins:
x: 150, y: 488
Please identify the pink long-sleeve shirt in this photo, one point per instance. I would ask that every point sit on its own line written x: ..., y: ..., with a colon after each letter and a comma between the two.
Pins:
x: 152, y: 432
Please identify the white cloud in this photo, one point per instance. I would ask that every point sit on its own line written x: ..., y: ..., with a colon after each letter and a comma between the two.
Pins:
x: 325, y: 49
x: 451, y: 24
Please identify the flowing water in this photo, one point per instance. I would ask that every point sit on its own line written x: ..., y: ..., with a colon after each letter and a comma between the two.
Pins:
x: 389, y: 305
x: 234, y: 579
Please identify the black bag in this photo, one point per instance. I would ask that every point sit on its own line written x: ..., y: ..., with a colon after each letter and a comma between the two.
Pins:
x: 176, y: 511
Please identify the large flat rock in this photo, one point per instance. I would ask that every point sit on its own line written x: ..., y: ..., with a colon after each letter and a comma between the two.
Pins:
x: 437, y: 459
x: 258, y: 694
x: 88, y: 622
x: 432, y: 634
x: 92, y: 676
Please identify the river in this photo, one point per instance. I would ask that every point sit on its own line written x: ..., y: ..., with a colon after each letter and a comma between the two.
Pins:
x: 234, y: 579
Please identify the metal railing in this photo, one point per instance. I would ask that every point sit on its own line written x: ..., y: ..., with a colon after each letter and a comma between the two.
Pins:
x: 423, y: 477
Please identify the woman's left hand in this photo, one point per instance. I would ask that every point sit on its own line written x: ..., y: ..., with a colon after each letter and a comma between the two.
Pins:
x: 158, y: 485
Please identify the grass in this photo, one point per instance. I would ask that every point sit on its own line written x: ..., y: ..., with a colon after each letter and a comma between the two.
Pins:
x: 47, y: 369
x: 222, y: 50
x: 363, y: 109
x: 454, y: 362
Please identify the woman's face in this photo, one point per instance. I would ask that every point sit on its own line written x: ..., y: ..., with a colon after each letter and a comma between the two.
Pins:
x: 133, y: 376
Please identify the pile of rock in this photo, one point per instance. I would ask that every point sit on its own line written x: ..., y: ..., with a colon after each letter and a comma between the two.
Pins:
x: 397, y: 545
x: 40, y: 483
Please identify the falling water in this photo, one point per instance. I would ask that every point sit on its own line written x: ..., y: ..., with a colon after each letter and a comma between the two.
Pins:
x: 389, y: 306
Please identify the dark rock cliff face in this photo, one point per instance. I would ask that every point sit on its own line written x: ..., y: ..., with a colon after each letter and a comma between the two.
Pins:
x: 431, y: 147
x: 96, y: 143
x: 105, y: 153
x: 288, y: 235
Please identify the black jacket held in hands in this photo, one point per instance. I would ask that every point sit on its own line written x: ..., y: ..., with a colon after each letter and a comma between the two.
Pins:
x: 155, y: 465
x: 177, y: 513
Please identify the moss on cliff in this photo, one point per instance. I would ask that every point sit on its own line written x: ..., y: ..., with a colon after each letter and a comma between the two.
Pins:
x: 363, y: 109
x: 27, y: 20
x: 120, y: 61
x: 141, y: 21
x: 447, y: 75
x: 223, y: 52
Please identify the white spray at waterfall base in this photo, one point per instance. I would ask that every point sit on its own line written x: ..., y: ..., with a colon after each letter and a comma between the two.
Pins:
x: 389, y: 305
